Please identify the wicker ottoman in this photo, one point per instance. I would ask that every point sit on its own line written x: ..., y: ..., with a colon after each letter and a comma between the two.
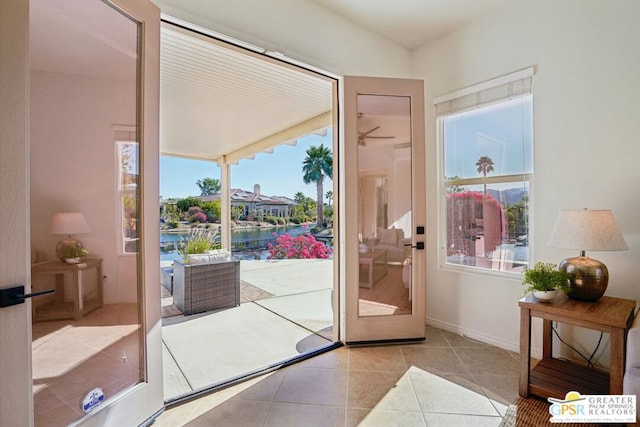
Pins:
x: 204, y: 287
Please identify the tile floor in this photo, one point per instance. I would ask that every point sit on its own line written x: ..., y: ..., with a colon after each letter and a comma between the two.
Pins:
x: 448, y: 380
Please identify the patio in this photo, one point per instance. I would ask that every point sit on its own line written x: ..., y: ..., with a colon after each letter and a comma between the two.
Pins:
x: 285, y: 310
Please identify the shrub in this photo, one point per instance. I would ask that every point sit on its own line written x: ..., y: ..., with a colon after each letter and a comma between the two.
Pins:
x: 271, y: 220
x: 198, y: 241
x: 184, y: 204
x: 303, y: 246
x: 299, y: 219
x: 195, y: 214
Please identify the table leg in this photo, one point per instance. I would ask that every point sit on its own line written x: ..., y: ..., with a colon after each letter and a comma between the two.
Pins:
x: 100, y: 284
x: 77, y: 296
x: 616, y: 370
x: 525, y: 351
x: 547, y: 339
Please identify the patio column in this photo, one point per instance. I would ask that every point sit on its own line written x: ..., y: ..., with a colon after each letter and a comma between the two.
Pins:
x: 225, y: 203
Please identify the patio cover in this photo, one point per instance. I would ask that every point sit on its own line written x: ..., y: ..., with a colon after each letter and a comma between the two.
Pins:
x: 224, y: 103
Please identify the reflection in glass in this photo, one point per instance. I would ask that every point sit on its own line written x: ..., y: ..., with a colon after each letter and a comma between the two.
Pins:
x: 384, y: 205
x: 488, y: 155
x: 84, y: 157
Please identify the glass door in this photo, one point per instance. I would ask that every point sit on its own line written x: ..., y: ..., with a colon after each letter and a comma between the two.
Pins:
x: 96, y: 344
x: 384, y: 167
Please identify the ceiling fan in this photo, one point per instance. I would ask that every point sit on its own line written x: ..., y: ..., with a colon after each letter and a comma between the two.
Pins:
x: 363, y: 136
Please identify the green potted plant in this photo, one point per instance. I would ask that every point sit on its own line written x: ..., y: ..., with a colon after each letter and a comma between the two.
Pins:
x: 198, y: 241
x: 544, y: 280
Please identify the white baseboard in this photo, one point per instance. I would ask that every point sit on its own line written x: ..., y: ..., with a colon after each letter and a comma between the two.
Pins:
x: 536, y: 351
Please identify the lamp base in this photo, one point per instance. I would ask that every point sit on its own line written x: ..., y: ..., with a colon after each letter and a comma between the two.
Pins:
x: 69, y: 248
x: 588, y: 277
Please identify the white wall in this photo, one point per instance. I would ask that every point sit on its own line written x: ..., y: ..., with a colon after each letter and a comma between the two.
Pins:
x: 396, y: 165
x: 73, y: 167
x: 587, y: 142
x: 299, y: 29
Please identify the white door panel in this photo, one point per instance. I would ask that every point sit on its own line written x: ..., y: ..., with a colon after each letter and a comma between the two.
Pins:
x: 135, y: 404
x: 384, y: 210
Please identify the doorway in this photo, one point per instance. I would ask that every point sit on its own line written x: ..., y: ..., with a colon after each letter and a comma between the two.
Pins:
x: 265, y: 120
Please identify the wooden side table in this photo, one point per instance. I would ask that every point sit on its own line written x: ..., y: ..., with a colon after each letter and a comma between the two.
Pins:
x: 375, y: 264
x: 554, y: 378
x: 58, y: 307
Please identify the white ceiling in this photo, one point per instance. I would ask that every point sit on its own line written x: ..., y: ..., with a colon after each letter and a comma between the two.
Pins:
x: 218, y: 101
x: 412, y: 23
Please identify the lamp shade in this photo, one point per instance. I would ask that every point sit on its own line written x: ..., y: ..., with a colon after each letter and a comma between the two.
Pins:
x: 587, y: 230
x: 69, y: 223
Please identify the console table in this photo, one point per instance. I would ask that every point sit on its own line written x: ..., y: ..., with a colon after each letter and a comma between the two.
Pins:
x: 54, y: 274
x: 554, y: 378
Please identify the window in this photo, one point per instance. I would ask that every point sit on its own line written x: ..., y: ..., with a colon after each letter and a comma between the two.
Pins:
x: 486, y: 140
x: 127, y: 158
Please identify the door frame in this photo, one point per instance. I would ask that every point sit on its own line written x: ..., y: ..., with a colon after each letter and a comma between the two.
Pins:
x: 16, y: 405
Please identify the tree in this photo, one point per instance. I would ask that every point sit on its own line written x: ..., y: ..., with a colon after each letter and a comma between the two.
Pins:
x: 299, y: 198
x: 484, y: 165
x: 184, y: 204
x: 317, y: 165
x: 329, y: 196
x: 236, y: 212
x: 208, y: 186
x: 212, y: 209
x: 454, y: 188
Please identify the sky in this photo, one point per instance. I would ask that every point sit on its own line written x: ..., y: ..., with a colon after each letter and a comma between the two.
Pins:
x: 278, y: 173
x: 502, y: 132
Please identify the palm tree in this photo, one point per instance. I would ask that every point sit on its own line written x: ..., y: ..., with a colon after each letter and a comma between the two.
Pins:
x: 317, y: 165
x: 329, y: 196
x: 485, y: 165
x: 299, y: 197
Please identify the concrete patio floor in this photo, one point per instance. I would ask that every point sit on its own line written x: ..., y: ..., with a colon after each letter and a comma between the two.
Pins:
x: 209, y: 348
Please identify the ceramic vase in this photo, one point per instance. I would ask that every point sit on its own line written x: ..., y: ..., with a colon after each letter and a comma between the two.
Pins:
x: 545, y: 296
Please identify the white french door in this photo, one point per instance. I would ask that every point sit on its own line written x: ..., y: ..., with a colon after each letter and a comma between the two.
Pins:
x: 383, y: 209
x: 137, y: 402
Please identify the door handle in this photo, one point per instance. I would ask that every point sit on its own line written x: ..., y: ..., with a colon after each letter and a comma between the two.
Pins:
x: 16, y: 295
x: 418, y: 245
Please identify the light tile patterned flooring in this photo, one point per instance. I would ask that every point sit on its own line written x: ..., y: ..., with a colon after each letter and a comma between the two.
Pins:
x: 448, y: 380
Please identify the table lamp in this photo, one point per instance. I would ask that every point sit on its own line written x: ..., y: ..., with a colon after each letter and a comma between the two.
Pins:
x: 69, y: 223
x: 586, y: 230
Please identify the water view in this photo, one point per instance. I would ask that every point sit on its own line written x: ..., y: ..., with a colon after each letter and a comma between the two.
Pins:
x: 246, y: 243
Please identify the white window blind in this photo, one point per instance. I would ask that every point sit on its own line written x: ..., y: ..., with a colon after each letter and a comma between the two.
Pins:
x: 125, y: 133
x: 495, y: 90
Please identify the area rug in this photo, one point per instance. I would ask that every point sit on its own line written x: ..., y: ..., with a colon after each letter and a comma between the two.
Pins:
x: 532, y: 412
